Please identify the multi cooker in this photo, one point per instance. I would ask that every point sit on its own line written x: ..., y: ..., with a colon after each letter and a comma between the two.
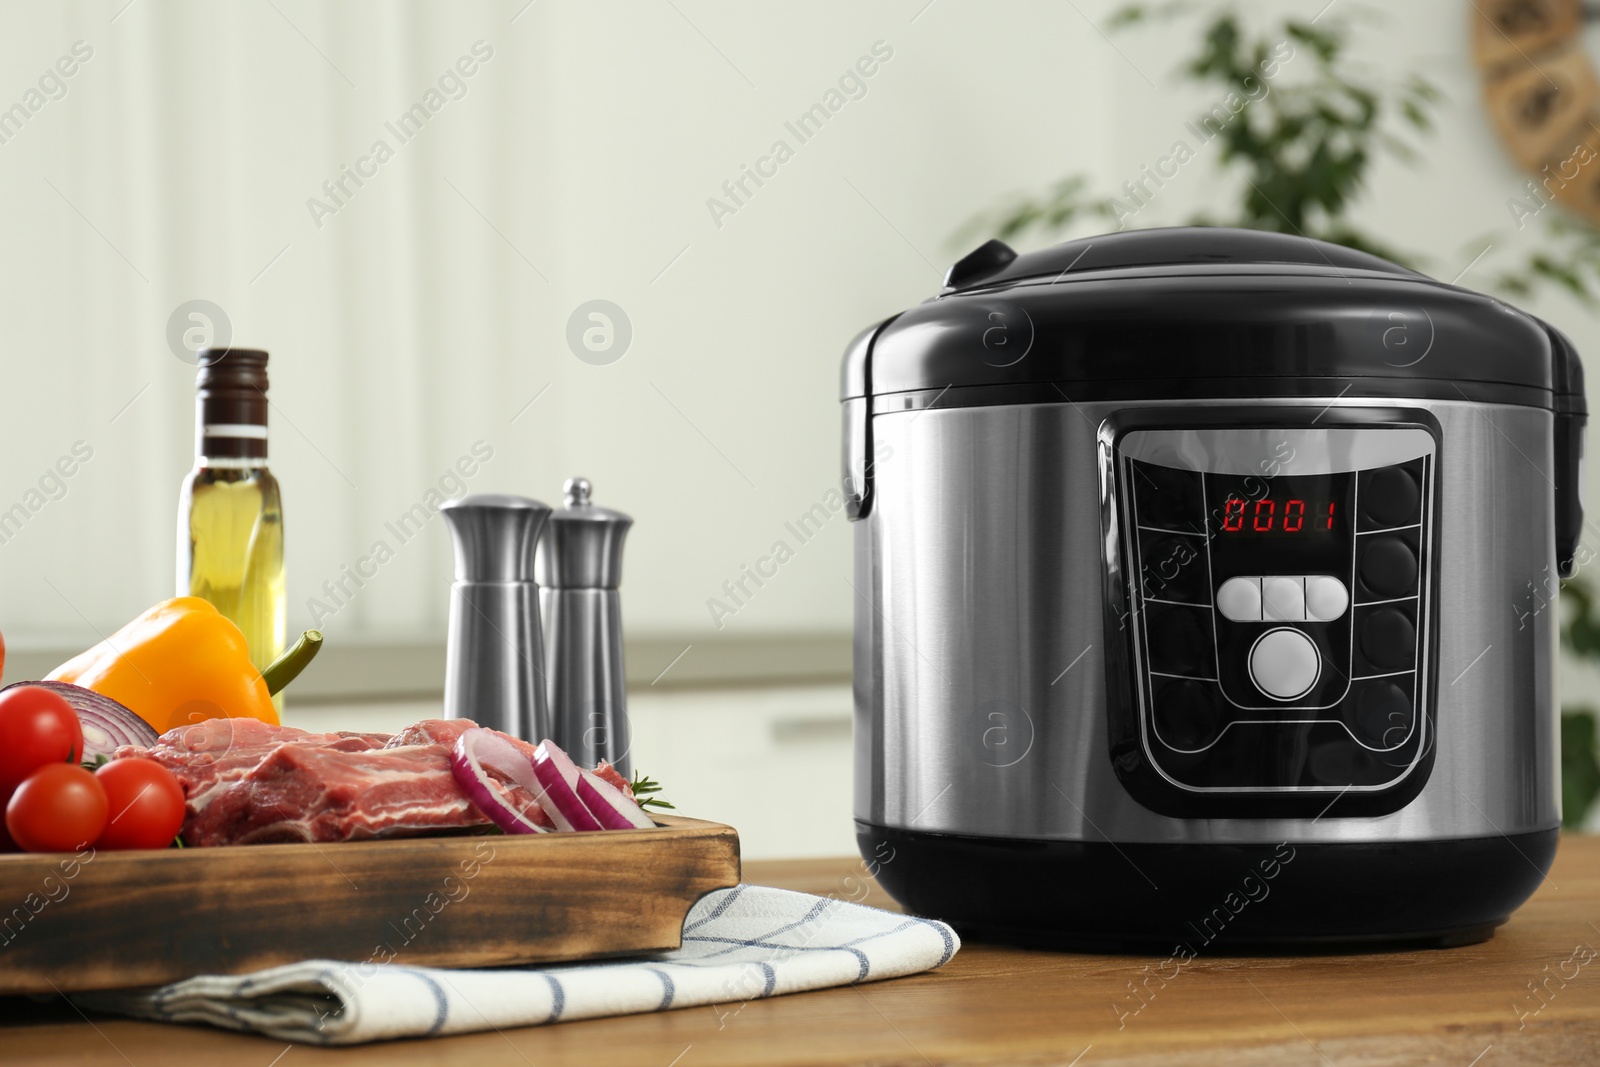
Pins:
x: 1205, y: 594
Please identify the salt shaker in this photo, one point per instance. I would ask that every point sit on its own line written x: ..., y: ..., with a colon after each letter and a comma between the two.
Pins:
x: 494, y: 668
x: 579, y: 570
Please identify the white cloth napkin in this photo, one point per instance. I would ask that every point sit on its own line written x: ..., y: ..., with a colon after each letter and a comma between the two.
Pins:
x: 739, y: 944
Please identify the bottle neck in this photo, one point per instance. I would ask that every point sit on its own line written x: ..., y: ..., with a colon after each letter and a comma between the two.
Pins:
x: 231, y: 409
x: 221, y: 442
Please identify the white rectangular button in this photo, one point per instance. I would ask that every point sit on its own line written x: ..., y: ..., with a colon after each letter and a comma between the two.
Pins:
x: 1283, y: 598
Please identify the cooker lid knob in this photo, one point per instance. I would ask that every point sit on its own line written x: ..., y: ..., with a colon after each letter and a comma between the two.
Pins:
x: 988, y: 258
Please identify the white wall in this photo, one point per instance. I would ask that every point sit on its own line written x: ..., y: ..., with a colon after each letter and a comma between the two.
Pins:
x: 416, y: 321
x: 410, y: 325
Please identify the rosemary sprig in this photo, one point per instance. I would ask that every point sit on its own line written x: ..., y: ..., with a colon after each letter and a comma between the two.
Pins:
x: 642, y: 786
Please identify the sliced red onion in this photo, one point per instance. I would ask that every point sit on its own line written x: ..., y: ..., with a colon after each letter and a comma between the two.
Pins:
x: 559, y: 797
x: 613, y: 810
x: 107, y: 725
x: 477, y: 749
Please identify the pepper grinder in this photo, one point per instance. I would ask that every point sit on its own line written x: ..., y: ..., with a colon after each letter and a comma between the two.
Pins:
x: 494, y: 668
x: 579, y: 570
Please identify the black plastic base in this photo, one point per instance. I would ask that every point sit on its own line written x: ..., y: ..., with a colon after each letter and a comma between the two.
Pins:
x: 1192, y: 899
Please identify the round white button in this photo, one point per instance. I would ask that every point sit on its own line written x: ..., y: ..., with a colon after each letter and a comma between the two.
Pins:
x: 1283, y: 598
x: 1284, y: 663
x: 1326, y: 598
x: 1239, y: 599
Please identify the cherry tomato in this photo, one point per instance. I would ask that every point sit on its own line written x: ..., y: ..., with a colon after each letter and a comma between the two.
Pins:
x: 2, y: 654
x: 60, y: 808
x: 146, y: 804
x: 6, y: 844
x: 37, y: 727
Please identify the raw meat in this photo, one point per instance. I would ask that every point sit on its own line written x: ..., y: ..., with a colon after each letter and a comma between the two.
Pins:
x: 302, y: 792
x: 610, y: 774
x: 446, y: 732
x: 208, y: 757
x: 250, y: 783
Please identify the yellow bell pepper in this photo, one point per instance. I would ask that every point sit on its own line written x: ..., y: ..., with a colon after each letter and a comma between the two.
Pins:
x: 179, y: 663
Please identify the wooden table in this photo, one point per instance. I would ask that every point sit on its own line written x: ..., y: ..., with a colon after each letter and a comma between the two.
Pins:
x: 1003, y: 1005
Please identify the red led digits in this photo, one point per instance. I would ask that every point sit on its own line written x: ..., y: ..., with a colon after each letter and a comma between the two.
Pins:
x: 1265, y: 517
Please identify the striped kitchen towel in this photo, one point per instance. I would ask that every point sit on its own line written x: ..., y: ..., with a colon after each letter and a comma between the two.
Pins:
x: 739, y: 944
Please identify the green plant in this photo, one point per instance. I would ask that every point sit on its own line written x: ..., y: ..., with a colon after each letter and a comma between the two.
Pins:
x: 1580, y: 771
x: 1299, y: 147
x: 1580, y: 767
x: 1299, y: 150
x: 1569, y: 259
x: 1303, y: 148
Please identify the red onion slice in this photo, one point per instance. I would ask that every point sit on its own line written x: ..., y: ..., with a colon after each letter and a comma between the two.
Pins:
x: 614, y: 810
x: 107, y: 725
x: 559, y: 797
x: 477, y: 749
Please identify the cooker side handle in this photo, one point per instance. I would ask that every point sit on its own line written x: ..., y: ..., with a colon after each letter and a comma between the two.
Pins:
x: 1571, y: 418
x: 856, y: 389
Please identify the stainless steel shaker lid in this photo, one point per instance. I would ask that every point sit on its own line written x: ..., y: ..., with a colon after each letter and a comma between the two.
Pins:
x: 496, y: 535
x: 582, y: 544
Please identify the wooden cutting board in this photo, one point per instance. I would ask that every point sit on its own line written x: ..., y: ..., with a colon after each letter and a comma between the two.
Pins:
x: 114, y: 919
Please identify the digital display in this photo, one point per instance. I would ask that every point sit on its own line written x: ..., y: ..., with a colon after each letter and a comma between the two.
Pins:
x: 1294, y: 512
x: 1278, y: 515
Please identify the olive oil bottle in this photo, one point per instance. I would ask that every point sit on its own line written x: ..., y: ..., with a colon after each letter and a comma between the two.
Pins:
x: 230, y: 514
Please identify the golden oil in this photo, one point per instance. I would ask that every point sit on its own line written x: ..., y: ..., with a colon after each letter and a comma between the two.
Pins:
x: 234, y: 531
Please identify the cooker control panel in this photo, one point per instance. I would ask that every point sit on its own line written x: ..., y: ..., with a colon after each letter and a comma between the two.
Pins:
x: 1278, y: 604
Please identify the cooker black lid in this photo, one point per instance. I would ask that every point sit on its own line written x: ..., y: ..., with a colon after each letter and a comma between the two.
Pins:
x: 1197, y: 311
x: 994, y: 262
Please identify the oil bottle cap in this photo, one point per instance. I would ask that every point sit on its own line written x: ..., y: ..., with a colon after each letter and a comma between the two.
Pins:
x: 231, y: 410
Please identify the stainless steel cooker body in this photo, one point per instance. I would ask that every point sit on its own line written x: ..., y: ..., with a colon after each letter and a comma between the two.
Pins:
x: 1204, y: 588
x: 995, y: 624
